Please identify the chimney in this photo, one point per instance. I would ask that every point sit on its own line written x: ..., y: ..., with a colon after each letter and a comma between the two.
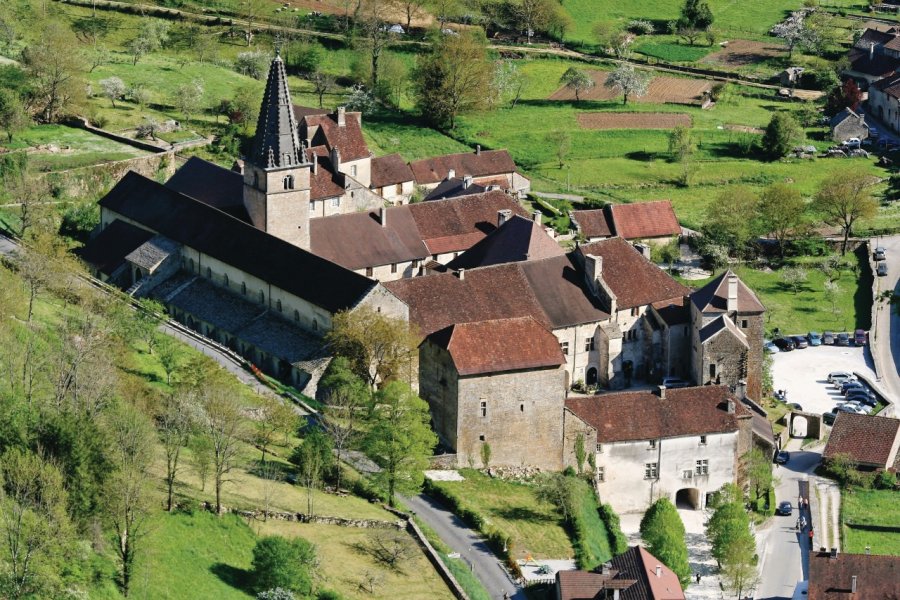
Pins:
x: 467, y: 181
x: 662, y: 392
x: 644, y: 249
x: 731, y: 406
x: 732, y: 293
x: 335, y: 159
x: 315, y: 164
x: 477, y: 149
x: 871, y: 50
x: 341, y: 116
x: 834, y: 553
x: 536, y: 217
x: 597, y: 266
x: 503, y: 216
x: 616, y: 592
x: 383, y: 218
x: 461, y: 274
x: 659, y: 570
x: 451, y: 173
x: 741, y: 389
x: 853, y: 579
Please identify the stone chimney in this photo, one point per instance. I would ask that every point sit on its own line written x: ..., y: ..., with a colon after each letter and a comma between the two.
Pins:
x: 731, y: 406
x: 853, y: 580
x: 335, y: 159
x: 477, y: 149
x: 341, y: 116
x: 315, y: 163
x: 451, y: 173
x: 383, y: 217
x: 644, y: 249
x: 595, y: 264
x: 461, y: 274
x: 659, y: 571
x: 503, y: 216
x: 616, y: 593
x: 740, y: 389
x: 732, y: 306
x: 662, y: 392
x: 871, y: 50
x: 467, y: 181
x: 536, y: 217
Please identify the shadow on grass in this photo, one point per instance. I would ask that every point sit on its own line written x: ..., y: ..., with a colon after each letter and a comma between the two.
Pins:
x: 236, y: 577
x: 520, y: 513
x: 151, y: 377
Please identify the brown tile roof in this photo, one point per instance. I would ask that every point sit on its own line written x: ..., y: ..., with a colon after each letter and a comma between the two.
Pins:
x: 870, y: 440
x: 456, y: 224
x: 673, y: 311
x: 357, y: 240
x: 562, y: 292
x: 390, y: 170
x: 644, y: 220
x: 106, y: 252
x: 307, y: 111
x: 713, y: 297
x: 877, y: 577
x: 889, y: 86
x: 638, y: 564
x: 500, y: 345
x: 348, y: 139
x: 518, y: 239
x: 879, y: 65
x: 586, y: 585
x: 592, y: 223
x: 643, y: 415
x: 633, y: 279
x: 488, y: 162
x: 454, y: 188
x: 324, y: 182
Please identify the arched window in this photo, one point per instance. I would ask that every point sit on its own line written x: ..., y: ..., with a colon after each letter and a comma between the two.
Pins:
x: 297, y: 316
x: 278, y: 305
x: 262, y: 297
x: 289, y: 182
x: 226, y: 279
x: 244, y: 288
x: 208, y: 273
x: 315, y: 325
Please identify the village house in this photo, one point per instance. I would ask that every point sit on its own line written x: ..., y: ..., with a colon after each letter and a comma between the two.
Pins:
x: 871, y: 441
x: 633, y: 575
x: 639, y: 222
x: 848, y: 124
x: 392, y: 179
x: 683, y: 444
x: 884, y: 101
x: 835, y: 575
x: 485, y: 168
x: 874, y: 56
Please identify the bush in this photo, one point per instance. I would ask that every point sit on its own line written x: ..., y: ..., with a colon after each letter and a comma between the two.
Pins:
x: 590, y: 537
x: 886, y: 480
x: 187, y: 505
x: 618, y: 543
x: 276, y: 594
x: 78, y: 220
x: 640, y: 27
x: 252, y: 64
x: 282, y: 563
x: 364, y: 489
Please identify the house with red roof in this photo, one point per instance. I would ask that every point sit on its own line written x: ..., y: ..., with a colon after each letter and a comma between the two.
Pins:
x: 872, y: 441
x: 488, y: 168
x: 633, y: 575
x: 836, y: 575
x: 638, y: 222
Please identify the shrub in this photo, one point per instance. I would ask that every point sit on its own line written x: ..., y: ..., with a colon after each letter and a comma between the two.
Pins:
x: 886, y: 480
x: 252, y: 64
x: 79, y: 220
x: 282, y: 563
x: 590, y: 536
x: 276, y: 594
x: 640, y: 27
x: 618, y: 543
x: 663, y: 533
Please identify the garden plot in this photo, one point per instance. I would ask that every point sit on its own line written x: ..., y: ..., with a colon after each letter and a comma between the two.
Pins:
x: 611, y: 120
x: 674, y: 90
x: 742, y: 53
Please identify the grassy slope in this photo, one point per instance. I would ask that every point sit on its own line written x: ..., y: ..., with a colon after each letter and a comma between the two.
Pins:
x: 84, y: 147
x: 871, y: 507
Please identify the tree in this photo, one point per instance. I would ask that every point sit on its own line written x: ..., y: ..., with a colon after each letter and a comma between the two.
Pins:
x: 344, y: 394
x: 781, y: 210
x: 140, y: 95
x: 222, y: 423
x: 663, y: 535
x: 695, y: 14
x: 314, y: 457
x: 392, y: 80
x: 843, y: 198
x: 444, y: 10
x: 759, y: 472
x: 152, y: 35
x: 253, y: 63
x: 508, y: 83
x: 379, y: 348
x: 794, y: 277
x: 732, y: 542
x: 577, y: 81
x: 822, y: 32
x: 733, y: 219
x: 282, y: 563
x: 127, y: 497
x: 533, y: 15
x: 390, y: 548
x: 781, y: 134
x: 400, y: 438
x: 275, y: 417
x: 558, y: 489
x: 411, y: 9
x: 842, y: 467
x: 377, y: 36
x: 561, y: 142
x: 452, y: 78
x: 169, y: 355
x: 681, y: 144
x: 322, y: 84
x: 54, y: 70
x: 580, y: 452
x: 831, y: 290
x: 628, y: 81
x: 188, y: 98
x: 791, y: 31
x: 615, y: 40
x: 34, y: 525
x: 250, y: 11
x: 175, y: 422
x: 13, y: 117
x: 845, y: 95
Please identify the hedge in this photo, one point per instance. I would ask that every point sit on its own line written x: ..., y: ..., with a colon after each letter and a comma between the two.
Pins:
x: 589, y: 533
x: 618, y: 543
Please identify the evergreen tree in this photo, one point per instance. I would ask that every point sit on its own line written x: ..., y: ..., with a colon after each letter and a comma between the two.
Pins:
x: 663, y: 534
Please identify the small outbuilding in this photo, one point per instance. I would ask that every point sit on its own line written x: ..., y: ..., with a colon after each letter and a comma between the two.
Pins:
x: 848, y: 124
x: 790, y: 77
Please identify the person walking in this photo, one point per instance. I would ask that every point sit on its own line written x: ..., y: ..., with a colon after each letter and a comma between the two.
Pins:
x: 698, y: 577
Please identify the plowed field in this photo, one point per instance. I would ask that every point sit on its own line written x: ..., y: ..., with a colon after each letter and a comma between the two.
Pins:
x: 675, y: 90
x: 633, y: 120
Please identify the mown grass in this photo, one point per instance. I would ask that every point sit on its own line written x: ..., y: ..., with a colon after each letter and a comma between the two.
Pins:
x: 870, y: 507
x: 590, y: 530
x: 75, y: 148
x: 674, y: 51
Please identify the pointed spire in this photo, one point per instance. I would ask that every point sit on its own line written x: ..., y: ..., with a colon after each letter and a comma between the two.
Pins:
x: 277, y: 142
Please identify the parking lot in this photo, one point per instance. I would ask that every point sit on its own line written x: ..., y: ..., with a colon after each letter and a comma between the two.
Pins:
x: 804, y: 374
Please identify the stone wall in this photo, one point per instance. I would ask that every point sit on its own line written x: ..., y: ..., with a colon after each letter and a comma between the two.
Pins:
x: 96, y: 180
x: 438, y: 385
x: 755, y: 332
x: 729, y: 356
x: 572, y: 426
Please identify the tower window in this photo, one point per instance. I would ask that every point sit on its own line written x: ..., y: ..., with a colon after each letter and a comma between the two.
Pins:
x: 483, y: 408
x: 226, y: 279
x: 297, y: 316
x: 712, y: 369
x: 315, y: 325
x: 208, y: 273
x: 255, y: 180
x: 244, y: 288
x: 289, y: 182
x: 262, y: 296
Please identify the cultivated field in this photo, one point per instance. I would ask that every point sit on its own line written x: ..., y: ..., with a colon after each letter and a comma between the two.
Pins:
x: 662, y: 90
x: 741, y: 53
x: 633, y: 120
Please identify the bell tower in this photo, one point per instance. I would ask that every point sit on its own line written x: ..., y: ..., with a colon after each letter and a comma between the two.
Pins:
x: 277, y: 172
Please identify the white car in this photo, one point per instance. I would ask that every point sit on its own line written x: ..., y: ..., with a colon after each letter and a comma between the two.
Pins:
x: 851, y: 143
x: 843, y: 374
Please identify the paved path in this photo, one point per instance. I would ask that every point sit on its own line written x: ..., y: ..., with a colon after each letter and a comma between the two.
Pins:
x: 885, y: 344
x: 471, y: 547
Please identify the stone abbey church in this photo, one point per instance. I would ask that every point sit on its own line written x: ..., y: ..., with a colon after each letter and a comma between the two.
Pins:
x: 260, y: 257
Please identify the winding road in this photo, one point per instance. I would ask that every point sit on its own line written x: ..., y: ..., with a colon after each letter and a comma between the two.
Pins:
x: 885, y: 344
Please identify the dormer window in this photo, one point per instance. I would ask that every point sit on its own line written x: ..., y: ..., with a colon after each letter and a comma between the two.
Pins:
x: 287, y: 160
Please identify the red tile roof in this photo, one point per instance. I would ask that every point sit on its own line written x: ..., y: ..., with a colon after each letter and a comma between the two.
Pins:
x: 644, y: 220
x: 348, y: 139
x: 324, y: 182
x: 633, y: 279
x: 357, y: 240
x: 889, y: 85
x: 585, y: 585
x: 592, y: 223
x: 500, y: 345
x: 871, y: 440
x: 637, y: 563
x: 390, y: 170
x: 877, y: 577
x: 476, y: 164
x: 713, y: 297
x: 643, y: 415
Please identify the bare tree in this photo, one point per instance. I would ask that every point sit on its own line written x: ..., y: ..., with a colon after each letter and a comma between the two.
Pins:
x: 175, y: 422
x: 322, y: 84
x: 251, y: 10
x: 222, y: 423
x: 390, y: 548
x: 274, y: 417
x: 628, y: 81
x: 377, y: 35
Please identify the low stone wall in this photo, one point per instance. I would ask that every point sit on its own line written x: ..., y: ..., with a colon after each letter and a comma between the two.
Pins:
x: 82, y: 123
x: 443, y: 461
x: 259, y: 515
x: 96, y: 180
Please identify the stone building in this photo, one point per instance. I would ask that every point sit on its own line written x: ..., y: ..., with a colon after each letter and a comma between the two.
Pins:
x: 496, y: 382
x: 639, y: 222
x: 484, y: 168
x: 848, y: 124
x: 682, y: 444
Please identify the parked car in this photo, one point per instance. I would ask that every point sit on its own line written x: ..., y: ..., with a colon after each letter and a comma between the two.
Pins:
x: 873, y: 132
x: 849, y: 408
x: 860, y: 337
x: 863, y: 399
x: 851, y: 143
x: 842, y: 374
x: 828, y: 418
x: 815, y: 338
x: 839, y: 381
x: 860, y: 393
x: 842, y: 339
x: 785, y: 344
x: 784, y: 508
x: 674, y: 382
x: 851, y: 384
x: 881, y: 269
x: 828, y: 338
x: 771, y: 348
x: 800, y: 341
x: 880, y: 253
x: 783, y: 457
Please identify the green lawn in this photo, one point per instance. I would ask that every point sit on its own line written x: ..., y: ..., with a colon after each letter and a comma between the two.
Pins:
x: 535, y: 527
x: 878, y: 508
x: 74, y: 148
x: 672, y: 51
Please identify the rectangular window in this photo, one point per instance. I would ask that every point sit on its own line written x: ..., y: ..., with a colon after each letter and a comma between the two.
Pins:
x: 521, y: 407
x: 687, y: 474
x: 651, y: 471
x: 702, y: 467
x: 369, y: 271
x: 399, y: 190
x: 312, y: 206
x: 415, y: 264
x: 702, y: 440
x: 589, y: 344
x: 601, y: 474
x: 599, y: 448
x: 483, y: 408
x: 652, y: 444
x: 712, y: 369
x: 481, y: 438
x: 743, y: 323
x: 352, y: 170
x: 564, y: 346
x: 635, y: 311
x: 336, y: 201
x: 393, y: 267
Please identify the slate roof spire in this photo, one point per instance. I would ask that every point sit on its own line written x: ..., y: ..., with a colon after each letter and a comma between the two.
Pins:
x: 277, y: 142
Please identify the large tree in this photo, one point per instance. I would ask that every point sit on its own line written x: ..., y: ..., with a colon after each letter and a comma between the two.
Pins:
x: 452, y: 78
x: 577, y: 81
x: 314, y: 459
x: 377, y: 36
x: 733, y: 219
x: 781, y: 134
x: 282, y: 563
x: 55, y: 72
x: 628, y: 81
x: 400, y: 438
x: 13, y: 117
x: 845, y: 95
x: 781, y: 210
x: 222, y: 423
x: 344, y: 395
x: 759, y: 472
x: 152, y: 35
x: 663, y: 534
x: 695, y: 14
x: 733, y: 545
x: 843, y: 198
x: 176, y: 419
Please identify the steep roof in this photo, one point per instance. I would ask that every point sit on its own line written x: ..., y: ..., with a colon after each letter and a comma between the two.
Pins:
x: 324, y: 182
x: 562, y: 292
x: 644, y: 220
x: 357, y: 240
x: 476, y: 164
x: 643, y: 415
x: 632, y: 278
x: 879, y: 65
x: 720, y: 324
x: 276, y: 143
x: 871, y: 440
x: 592, y: 223
x: 889, y: 86
x: 638, y: 564
x: 877, y: 577
x: 347, y: 138
x: 847, y: 113
x: 211, y: 184
x: 456, y: 224
x: 588, y: 585
x: 152, y: 252
x: 499, y: 345
x: 454, y: 188
x: 108, y: 249
x: 517, y: 239
x: 210, y: 231
x: 873, y: 36
x: 390, y: 170
x: 713, y: 297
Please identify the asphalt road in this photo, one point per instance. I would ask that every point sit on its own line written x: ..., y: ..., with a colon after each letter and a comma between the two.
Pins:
x: 785, y: 559
x: 471, y: 547
x: 887, y: 344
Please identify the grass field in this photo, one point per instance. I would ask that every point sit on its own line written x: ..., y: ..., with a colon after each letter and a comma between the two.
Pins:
x: 673, y: 51
x: 74, y: 148
x: 871, y: 507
